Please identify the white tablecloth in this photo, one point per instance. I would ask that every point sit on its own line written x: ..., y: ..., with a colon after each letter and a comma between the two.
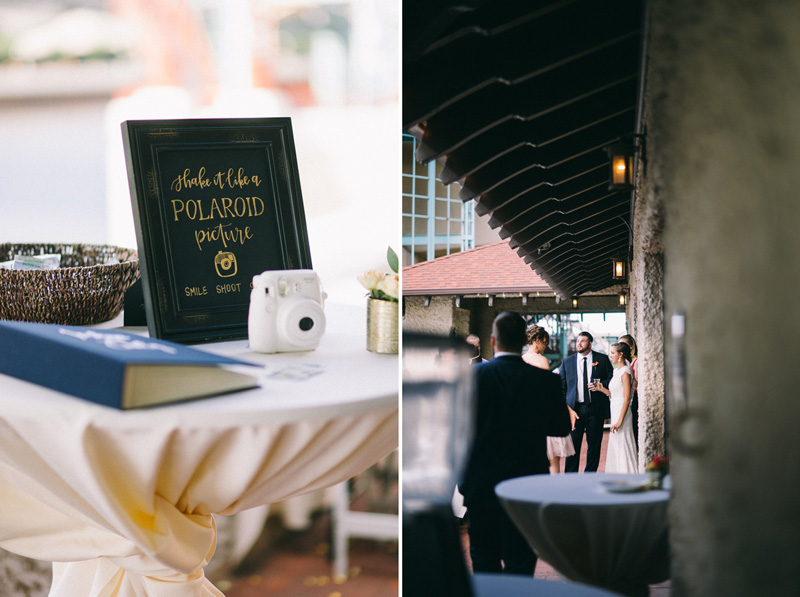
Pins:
x: 122, y: 501
x: 589, y: 534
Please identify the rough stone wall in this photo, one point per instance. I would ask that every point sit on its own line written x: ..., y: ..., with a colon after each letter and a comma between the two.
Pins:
x: 435, y: 319
x: 646, y: 317
x: 461, y: 321
x: 723, y: 156
x: 650, y: 366
x: 24, y: 577
x: 646, y: 313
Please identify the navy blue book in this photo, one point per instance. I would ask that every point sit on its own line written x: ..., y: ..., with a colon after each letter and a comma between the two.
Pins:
x: 115, y: 368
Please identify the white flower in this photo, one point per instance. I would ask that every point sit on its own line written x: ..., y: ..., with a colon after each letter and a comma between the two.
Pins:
x: 383, y: 286
x: 371, y: 279
x: 390, y: 285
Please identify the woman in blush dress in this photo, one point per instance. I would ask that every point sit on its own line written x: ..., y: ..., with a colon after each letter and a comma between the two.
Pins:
x: 621, y: 456
x: 557, y: 447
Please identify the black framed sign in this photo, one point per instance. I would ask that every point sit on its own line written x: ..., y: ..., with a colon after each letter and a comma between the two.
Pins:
x: 215, y: 202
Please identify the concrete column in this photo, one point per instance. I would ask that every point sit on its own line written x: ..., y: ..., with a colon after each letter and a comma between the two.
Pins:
x: 723, y: 149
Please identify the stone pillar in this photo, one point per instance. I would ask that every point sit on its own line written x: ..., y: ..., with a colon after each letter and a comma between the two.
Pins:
x: 646, y: 316
x: 649, y: 337
x: 723, y: 149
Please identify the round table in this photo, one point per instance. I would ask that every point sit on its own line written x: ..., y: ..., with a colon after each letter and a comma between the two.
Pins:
x: 514, y: 585
x: 122, y: 502
x: 599, y: 529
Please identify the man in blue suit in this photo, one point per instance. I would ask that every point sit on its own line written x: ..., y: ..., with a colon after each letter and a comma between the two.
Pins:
x: 518, y: 407
x: 577, y: 372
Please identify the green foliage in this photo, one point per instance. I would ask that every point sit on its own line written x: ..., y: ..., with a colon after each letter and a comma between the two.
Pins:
x: 394, y: 263
x: 5, y: 45
x: 381, y: 296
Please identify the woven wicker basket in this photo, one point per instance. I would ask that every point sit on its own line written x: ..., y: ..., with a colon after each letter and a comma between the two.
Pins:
x: 83, y: 291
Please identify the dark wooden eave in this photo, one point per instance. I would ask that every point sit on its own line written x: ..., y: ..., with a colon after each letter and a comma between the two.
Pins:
x: 518, y: 100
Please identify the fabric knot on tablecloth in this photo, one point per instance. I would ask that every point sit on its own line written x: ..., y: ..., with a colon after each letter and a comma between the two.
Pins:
x: 141, y: 576
x: 136, y: 576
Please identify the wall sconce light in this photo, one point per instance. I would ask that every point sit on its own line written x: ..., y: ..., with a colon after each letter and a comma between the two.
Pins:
x: 574, y: 302
x: 620, y: 157
x: 619, y: 268
x: 623, y: 299
x: 490, y: 302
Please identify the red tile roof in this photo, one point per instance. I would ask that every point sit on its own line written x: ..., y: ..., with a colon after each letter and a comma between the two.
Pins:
x: 491, y: 269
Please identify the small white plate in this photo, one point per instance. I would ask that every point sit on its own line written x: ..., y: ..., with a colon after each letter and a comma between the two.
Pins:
x: 619, y: 486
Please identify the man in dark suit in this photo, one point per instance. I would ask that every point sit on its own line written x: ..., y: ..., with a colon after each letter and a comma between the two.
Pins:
x: 577, y: 372
x: 518, y: 407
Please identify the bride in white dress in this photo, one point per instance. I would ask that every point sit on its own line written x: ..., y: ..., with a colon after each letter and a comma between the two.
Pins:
x: 621, y: 456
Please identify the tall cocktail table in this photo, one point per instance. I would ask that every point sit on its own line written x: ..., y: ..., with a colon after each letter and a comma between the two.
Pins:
x: 123, y: 501
x: 599, y: 529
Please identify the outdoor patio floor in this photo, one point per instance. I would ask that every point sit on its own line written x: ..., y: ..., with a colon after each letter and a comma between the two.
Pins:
x: 298, y: 564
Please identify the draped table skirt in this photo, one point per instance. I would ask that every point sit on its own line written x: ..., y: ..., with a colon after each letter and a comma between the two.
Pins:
x: 122, y: 502
x: 616, y: 540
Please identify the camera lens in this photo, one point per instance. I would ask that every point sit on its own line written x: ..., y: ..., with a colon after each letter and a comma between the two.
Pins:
x: 301, y: 323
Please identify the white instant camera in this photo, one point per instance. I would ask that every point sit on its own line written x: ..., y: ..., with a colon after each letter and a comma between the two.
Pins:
x: 286, y: 311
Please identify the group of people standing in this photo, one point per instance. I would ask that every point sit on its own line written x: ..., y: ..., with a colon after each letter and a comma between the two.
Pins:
x: 596, y: 388
x: 529, y: 418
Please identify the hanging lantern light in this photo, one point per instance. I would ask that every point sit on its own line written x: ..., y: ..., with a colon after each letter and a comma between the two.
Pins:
x: 619, y: 269
x: 620, y: 157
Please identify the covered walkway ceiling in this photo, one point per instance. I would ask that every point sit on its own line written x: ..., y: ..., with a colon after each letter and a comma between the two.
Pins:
x: 518, y: 99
